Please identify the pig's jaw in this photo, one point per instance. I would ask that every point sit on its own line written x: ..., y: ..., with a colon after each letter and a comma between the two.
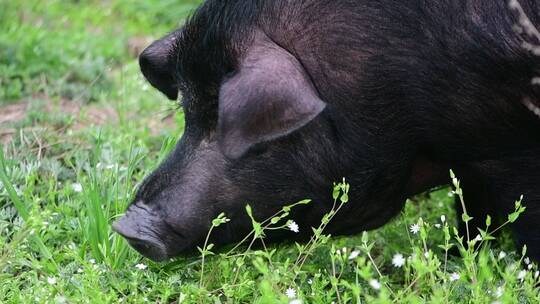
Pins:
x: 141, y: 228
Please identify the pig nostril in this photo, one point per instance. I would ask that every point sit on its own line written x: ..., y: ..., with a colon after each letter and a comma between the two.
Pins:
x: 121, y: 228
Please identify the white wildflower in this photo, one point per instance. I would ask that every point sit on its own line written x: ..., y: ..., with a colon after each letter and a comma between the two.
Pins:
x: 92, y: 261
x: 536, y: 274
x: 521, y: 275
x: 499, y: 292
x: 415, y: 228
x: 398, y: 260
x: 426, y: 254
x: 454, y: 276
x: 375, y: 284
x: 438, y: 226
x: 443, y: 218
x: 77, y: 187
x: 297, y: 301
x: 529, y: 267
x: 354, y: 255
x: 310, y: 281
x: 527, y: 260
x: 290, y: 293
x: 478, y: 238
x: 293, y: 226
x: 502, y: 255
x: 51, y: 280
x: 141, y: 266
x: 80, y: 270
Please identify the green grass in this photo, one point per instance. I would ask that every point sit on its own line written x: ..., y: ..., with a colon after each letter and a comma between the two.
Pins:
x: 90, y: 128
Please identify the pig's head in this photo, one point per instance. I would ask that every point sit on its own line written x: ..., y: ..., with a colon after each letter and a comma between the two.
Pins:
x: 257, y: 132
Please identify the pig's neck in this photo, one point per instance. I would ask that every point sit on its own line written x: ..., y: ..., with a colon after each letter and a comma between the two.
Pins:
x: 466, y: 88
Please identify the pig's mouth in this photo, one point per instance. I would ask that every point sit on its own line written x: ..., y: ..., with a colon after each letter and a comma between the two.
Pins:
x: 138, y: 227
x: 151, y: 247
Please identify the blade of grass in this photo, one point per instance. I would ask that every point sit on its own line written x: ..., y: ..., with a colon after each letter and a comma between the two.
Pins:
x: 17, y: 202
x: 22, y: 209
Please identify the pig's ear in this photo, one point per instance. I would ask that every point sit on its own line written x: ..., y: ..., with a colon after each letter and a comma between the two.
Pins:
x: 269, y: 97
x: 157, y: 65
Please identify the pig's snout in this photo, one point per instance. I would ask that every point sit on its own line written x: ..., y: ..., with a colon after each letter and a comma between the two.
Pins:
x: 141, y: 229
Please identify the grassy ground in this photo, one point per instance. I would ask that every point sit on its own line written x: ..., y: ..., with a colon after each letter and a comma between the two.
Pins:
x: 79, y: 128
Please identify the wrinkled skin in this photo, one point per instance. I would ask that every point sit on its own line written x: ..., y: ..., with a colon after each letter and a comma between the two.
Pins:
x: 283, y: 98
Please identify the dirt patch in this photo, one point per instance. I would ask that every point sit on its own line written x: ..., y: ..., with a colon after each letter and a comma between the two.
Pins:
x: 6, y: 134
x: 84, y: 116
x: 65, y: 106
x: 137, y: 44
x: 97, y: 116
x: 13, y: 113
x: 8, y: 115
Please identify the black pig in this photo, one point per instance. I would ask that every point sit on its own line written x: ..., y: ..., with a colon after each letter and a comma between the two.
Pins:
x: 282, y: 98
